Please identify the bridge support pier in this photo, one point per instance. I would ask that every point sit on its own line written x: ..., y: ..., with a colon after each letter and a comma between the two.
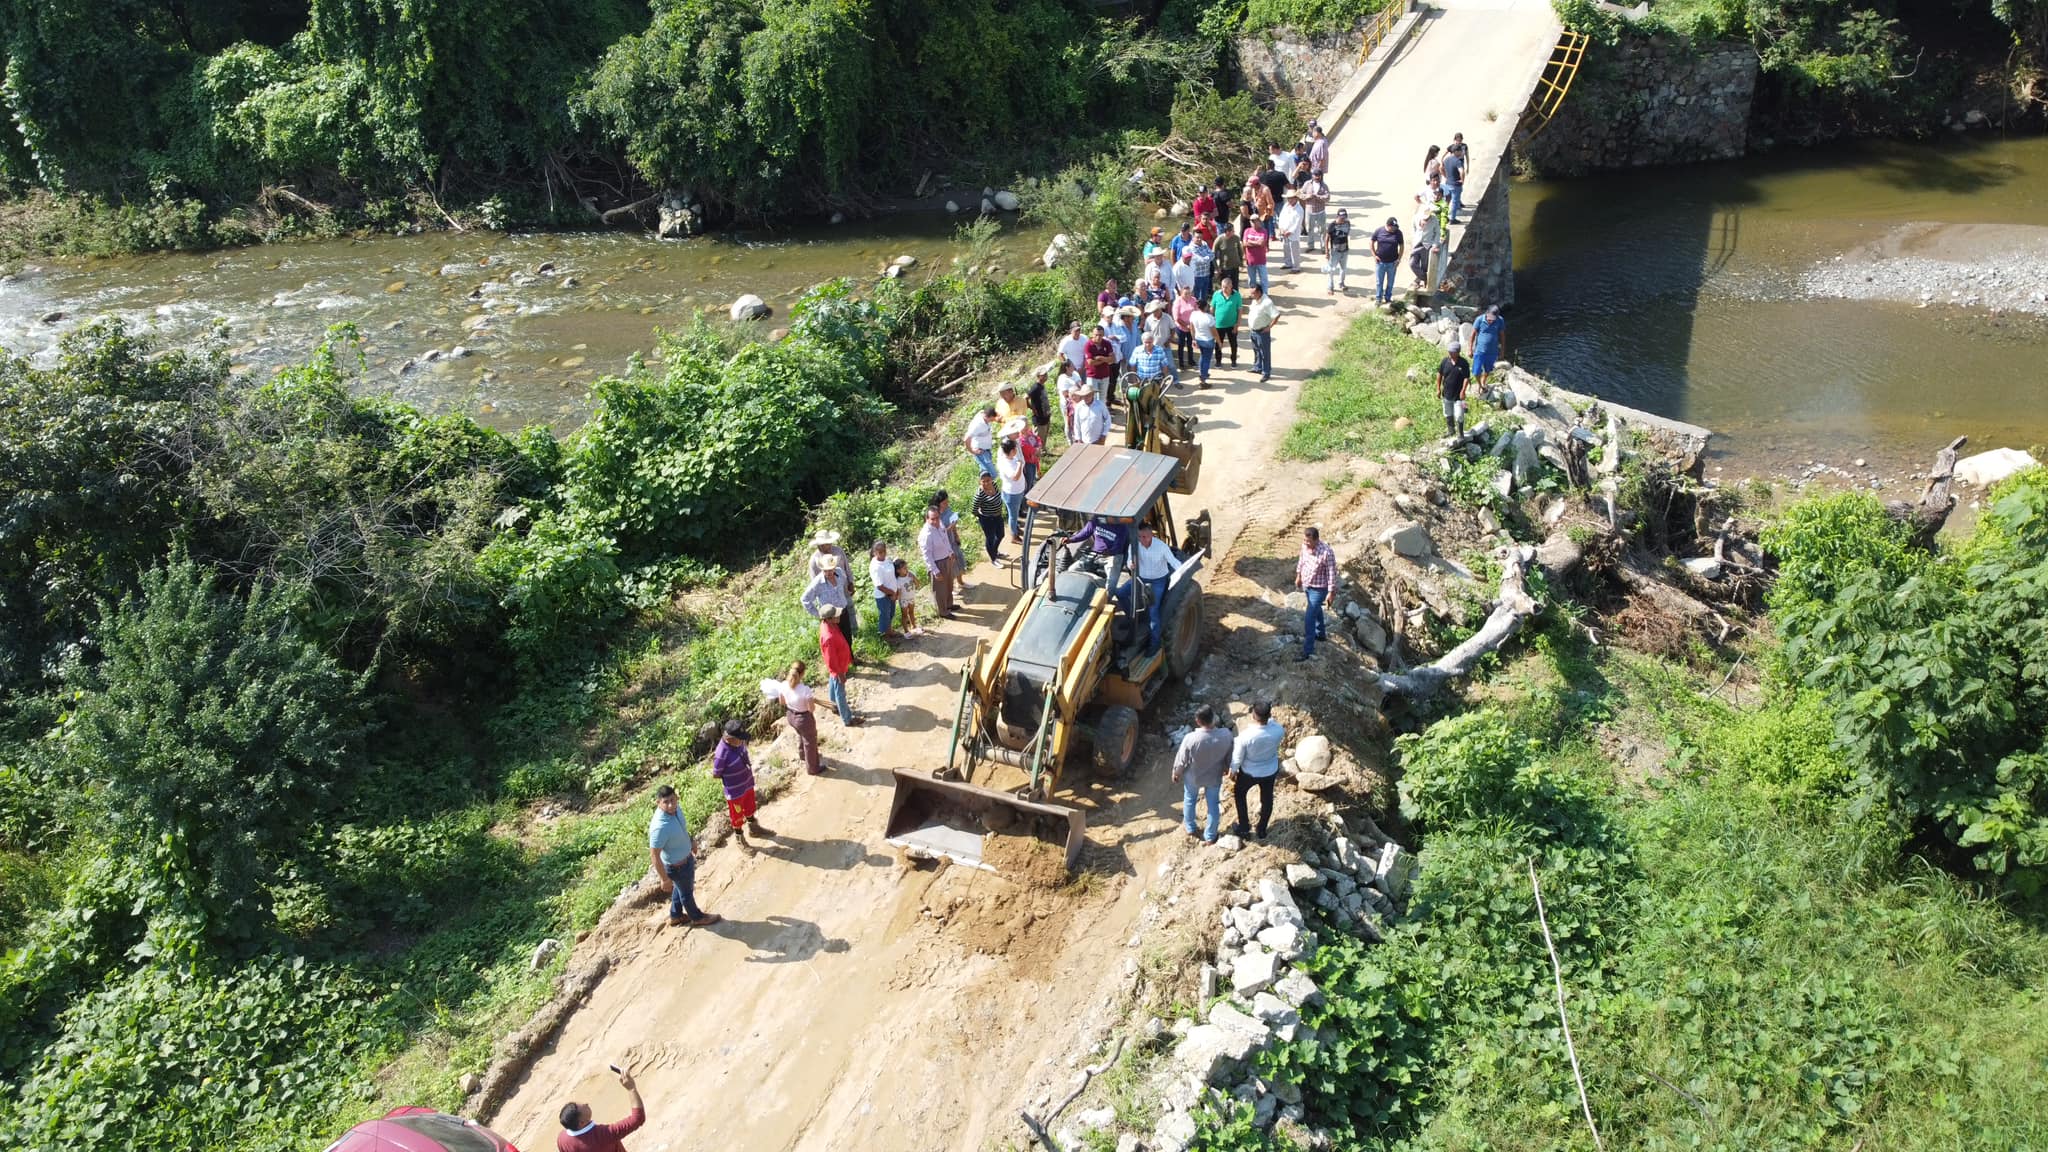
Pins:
x: 1482, y: 249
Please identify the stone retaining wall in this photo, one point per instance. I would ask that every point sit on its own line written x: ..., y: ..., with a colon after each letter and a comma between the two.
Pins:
x: 1283, y: 62
x: 1482, y: 264
x: 1648, y: 100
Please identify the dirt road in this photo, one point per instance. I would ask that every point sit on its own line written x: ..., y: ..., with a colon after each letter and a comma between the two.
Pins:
x: 851, y: 1002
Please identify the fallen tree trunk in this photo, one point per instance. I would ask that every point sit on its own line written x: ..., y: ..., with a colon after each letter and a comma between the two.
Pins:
x: 611, y: 214
x: 1511, y: 610
x: 1926, y: 516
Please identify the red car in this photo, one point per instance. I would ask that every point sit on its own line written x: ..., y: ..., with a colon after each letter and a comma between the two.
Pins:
x: 420, y: 1130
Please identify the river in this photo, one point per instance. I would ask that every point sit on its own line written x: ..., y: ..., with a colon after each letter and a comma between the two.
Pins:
x: 1697, y: 293
x: 538, y: 317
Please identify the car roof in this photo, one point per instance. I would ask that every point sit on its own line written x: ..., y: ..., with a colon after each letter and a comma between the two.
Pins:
x: 411, y: 1130
x: 1117, y: 484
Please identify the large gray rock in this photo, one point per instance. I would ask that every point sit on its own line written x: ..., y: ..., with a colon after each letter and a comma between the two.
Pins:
x: 1272, y: 1010
x: 1394, y: 871
x: 1247, y: 922
x: 1214, y: 1054
x: 1174, y: 1132
x: 1408, y: 539
x: 1224, y: 1014
x: 1283, y: 939
x: 1007, y: 200
x: 1297, y: 989
x: 1274, y: 893
x: 1301, y: 876
x: 545, y: 951
x: 749, y: 307
x: 1528, y: 455
x: 1372, y: 636
x: 1988, y: 468
x: 1129, y: 1142
x: 1206, y: 983
x: 1253, y: 972
x: 1312, y: 753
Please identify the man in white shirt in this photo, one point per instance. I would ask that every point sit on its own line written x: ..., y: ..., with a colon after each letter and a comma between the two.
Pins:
x: 1155, y: 566
x: 1184, y: 270
x: 981, y: 438
x: 1091, y: 419
x: 1010, y: 476
x: 1290, y: 226
x: 1422, y: 259
x: 1075, y: 347
x: 1069, y: 383
x: 1260, y: 315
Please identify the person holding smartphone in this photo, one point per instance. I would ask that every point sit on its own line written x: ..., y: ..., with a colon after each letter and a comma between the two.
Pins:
x: 582, y: 1133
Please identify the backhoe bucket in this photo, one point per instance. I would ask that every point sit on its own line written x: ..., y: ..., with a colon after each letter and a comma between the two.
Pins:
x: 946, y: 818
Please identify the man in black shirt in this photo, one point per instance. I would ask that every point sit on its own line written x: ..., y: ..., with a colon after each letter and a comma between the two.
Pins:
x: 1337, y: 250
x: 1454, y: 180
x: 1451, y: 375
x: 1276, y: 183
x: 1387, y: 245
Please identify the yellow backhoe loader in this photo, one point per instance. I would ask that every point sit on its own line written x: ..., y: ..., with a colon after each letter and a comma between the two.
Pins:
x: 1075, y: 660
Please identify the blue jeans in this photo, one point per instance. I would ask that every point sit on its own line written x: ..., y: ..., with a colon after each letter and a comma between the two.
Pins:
x: 1334, y: 267
x: 1208, y: 355
x: 885, y: 611
x: 1455, y: 193
x: 1255, y: 276
x: 1312, y: 626
x: 1158, y: 610
x: 837, y: 689
x: 1383, y: 279
x: 682, y: 899
x: 1213, y: 793
x: 1205, y: 286
x: 1262, y: 352
x: 1013, y: 512
x: 987, y: 459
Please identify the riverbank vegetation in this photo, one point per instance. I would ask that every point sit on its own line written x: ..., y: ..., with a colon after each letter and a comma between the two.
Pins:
x: 1830, y: 69
x: 134, y: 128
x: 317, y: 712
x: 1794, y: 885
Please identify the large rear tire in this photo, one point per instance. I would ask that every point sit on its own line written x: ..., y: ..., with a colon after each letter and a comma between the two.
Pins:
x: 1184, y: 632
x: 1115, y: 741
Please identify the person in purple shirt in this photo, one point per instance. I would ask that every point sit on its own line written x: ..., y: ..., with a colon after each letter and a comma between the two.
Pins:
x: 735, y: 769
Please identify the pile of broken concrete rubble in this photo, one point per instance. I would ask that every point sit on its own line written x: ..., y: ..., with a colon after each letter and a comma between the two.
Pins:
x: 1254, y: 992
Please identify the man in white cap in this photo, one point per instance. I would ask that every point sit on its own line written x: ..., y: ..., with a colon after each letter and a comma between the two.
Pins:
x: 825, y: 545
x: 1091, y: 419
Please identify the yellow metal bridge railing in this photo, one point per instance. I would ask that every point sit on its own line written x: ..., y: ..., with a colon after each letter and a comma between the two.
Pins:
x: 1557, y: 78
x: 1376, y: 29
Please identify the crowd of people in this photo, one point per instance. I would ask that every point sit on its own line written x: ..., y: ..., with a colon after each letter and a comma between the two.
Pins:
x: 1196, y: 290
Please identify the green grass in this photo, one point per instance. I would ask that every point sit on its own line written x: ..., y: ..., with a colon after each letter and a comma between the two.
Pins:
x: 1350, y: 404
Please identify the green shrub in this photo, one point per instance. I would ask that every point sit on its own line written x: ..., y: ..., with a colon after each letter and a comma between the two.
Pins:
x: 1822, y: 541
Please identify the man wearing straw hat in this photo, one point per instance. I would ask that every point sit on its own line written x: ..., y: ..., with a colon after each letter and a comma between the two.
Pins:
x: 1091, y: 420
x: 824, y: 544
x: 828, y: 590
x: 1009, y: 405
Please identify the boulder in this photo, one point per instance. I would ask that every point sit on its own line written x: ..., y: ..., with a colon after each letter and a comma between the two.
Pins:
x: 1095, y: 1117
x: 1504, y: 485
x: 55, y: 317
x: 1237, y: 898
x: 749, y: 307
x: 1253, y: 973
x: 1704, y: 567
x: 1056, y: 251
x: 545, y: 951
x: 1393, y: 871
x: 953, y: 206
x: 1214, y: 1055
x: 1528, y: 459
x: 1297, y: 989
x: 1408, y: 539
x: 1301, y: 876
x: 469, y: 1083
x: 1347, y: 854
x: 1273, y: 1010
x: 1177, y: 209
x: 1274, y: 893
x: 1229, y: 844
x: 1174, y: 1132
x: 1129, y: 1142
x: 1283, y: 939
x: 1246, y: 923
x: 988, y: 206
x: 1205, y: 984
x: 905, y: 261
x: 1312, y: 753
x: 1007, y: 200
x: 1988, y: 468
x: 1224, y: 1014
x: 893, y: 272
x: 1371, y: 635
x: 1317, y: 782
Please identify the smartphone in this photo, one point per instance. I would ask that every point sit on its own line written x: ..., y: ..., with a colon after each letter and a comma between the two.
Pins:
x: 616, y: 1070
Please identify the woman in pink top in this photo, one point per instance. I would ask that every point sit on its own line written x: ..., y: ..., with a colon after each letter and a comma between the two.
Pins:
x: 1184, y: 328
x: 1255, y: 242
x: 796, y: 702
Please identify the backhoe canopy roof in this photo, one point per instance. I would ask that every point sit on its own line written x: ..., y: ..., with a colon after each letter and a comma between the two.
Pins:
x: 1112, y: 484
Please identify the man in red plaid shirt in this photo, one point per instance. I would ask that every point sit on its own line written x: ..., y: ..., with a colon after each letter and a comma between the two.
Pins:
x: 1315, y: 573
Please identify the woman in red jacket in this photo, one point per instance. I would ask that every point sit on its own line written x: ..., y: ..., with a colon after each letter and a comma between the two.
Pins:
x: 838, y: 656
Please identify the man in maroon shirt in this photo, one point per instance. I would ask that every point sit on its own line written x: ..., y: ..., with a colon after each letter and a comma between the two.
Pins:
x: 582, y: 1133
x: 1100, y: 357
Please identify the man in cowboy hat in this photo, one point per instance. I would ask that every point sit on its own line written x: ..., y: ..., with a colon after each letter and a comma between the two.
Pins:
x: 1009, y: 405
x: 1091, y: 419
x: 824, y: 544
x: 828, y: 589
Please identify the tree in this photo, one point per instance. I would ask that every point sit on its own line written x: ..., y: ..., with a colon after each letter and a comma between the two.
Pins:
x: 209, y: 736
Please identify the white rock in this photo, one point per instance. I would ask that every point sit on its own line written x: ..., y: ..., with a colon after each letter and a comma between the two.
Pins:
x: 1229, y: 844
x: 469, y: 1083
x: 1408, y: 539
x: 1394, y: 871
x: 1253, y: 972
x: 1973, y: 116
x: 1988, y: 468
x: 1056, y: 250
x: 1274, y: 893
x: 1215, y: 1055
x: 892, y: 272
x: 1129, y: 1142
x: 1095, y: 1117
x: 1175, y: 1131
x: 1283, y: 939
x: 1224, y: 1014
x: 1205, y: 984
x: 546, y: 949
x: 1297, y: 989
x: 1704, y: 567
x: 988, y: 206
x: 1301, y: 876
x: 1371, y: 635
x: 1177, y: 209
x: 1273, y: 1010
x: 749, y: 307
x: 1312, y: 753
x: 1347, y: 854
x: 952, y: 206
x: 1246, y: 922
x: 1237, y: 898
x: 906, y: 261
x: 1232, y: 938
x: 1007, y: 200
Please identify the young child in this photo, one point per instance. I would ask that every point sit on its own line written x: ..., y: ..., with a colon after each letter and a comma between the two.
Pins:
x: 735, y: 769
x: 988, y: 512
x: 906, y: 599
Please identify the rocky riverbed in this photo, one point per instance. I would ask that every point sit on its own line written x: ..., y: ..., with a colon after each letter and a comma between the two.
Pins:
x: 1992, y: 266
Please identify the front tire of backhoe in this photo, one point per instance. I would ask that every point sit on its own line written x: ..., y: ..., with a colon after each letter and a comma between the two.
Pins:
x: 1184, y: 634
x: 1115, y: 741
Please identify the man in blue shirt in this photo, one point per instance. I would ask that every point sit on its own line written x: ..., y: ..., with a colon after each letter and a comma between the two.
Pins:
x: 1151, y: 361
x: 1487, y: 332
x: 1255, y: 763
x: 675, y: 861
